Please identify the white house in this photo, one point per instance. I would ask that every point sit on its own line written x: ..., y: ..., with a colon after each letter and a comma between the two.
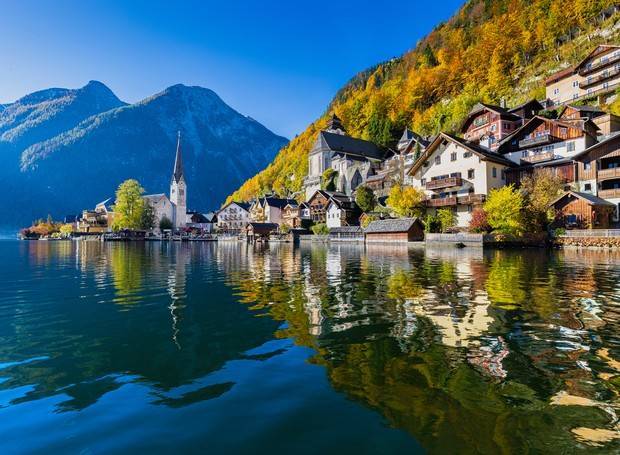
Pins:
x: 458, y: 174
x: 162, y: 208
x: 233, y: 217
x: 341, y: 211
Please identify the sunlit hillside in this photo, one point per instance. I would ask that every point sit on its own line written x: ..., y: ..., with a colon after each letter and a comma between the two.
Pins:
x: 488, y: 51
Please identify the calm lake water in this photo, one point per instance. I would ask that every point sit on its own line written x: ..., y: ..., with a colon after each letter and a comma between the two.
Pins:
x: 232, y: 348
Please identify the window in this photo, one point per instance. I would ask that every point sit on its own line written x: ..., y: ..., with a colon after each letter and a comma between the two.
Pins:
x: 575, y: 96
x: 587, y: 165
x: 570, y: 146
x: 453, y: 156
x: 563, y: 131
x: 467, y: 154
x: 493, y: 127
x: 556, y: 91
x: 494, y: 172
x: 470, y: 174
x: 575, y: 83
x: 587, y: 187
x: 423, y: 182
x: 438, y: 159
x: 503, y: 174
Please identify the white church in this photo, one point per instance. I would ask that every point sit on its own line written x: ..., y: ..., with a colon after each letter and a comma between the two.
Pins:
x: 175, y: 207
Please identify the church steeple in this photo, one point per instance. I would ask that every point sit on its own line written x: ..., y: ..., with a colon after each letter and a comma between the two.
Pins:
x: 334, y: 125
x: 177, y: 175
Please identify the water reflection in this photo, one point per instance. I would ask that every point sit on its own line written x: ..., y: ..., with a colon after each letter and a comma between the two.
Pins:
x: 500, y: 351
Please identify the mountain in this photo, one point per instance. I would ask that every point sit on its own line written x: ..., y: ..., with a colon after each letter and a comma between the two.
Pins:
x: 65, y: 150
x: 488, y: 51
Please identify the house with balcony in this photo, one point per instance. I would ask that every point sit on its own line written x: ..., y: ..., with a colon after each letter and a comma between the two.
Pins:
x: 458, y: 174
x: 98, y: 220
x: 233, y: 217
x: 598, y: 172
x: 595, y: 76
x: 269, y: 209
x: 487, y: 124
x: 544, y: 143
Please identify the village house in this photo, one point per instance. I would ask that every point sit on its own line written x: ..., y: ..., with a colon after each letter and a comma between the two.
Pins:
x: 487, y: 125
x: 341, y: 211
x: 346, y: 234
x: 296, y: 216
x: 395, y: 231
x: 162, y: 208
x: 597, y: 75
x: 353, y: 159
x: 395, y: 168
x: 544, y: 143
x: 233, y: 217
x: 98, y: 220
x: 583, y: 211
x: 260, y: 231
x: 269, y: 209
x: 458, y: 174
x: 317, y: 203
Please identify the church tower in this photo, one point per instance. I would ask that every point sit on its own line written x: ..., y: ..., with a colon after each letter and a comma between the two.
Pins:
x: 178, y: 189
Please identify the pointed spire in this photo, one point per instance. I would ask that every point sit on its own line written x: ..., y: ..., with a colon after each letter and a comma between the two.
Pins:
x: 178, y: 161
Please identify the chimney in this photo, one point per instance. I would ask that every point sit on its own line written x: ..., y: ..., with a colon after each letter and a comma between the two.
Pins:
x: 503, y: 103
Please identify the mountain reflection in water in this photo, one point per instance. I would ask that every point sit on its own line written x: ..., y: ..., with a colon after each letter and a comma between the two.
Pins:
x: 456, y: 350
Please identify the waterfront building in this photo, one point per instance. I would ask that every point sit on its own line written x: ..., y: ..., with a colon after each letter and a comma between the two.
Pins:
x: 544, y: 143
x: 162, y: 207
x: 353, y: 159
x: 269, y: 209
x: 458, y: 174
x: 583, y: 211
x: 98, y: 220
x: 233, y: 217
x: 395, y: 231
x: 317, y: 203
x: 596, y: 76
x: 341, y: 211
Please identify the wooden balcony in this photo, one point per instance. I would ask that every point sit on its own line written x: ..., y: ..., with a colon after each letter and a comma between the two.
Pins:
x: 612, y: 173
x: 472, y: 199
x: 592, y: 81
x: 546, y: 156
x: 609, y: 194
x: 442, y: 202
x: 444, y: 183
x: 546, y: 138
x: 610, y: 61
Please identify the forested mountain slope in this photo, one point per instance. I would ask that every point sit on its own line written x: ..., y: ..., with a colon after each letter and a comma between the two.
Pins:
x: 488, y: 51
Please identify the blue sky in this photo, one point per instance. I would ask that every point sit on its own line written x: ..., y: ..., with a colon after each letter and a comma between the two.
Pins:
x: 280, y: 62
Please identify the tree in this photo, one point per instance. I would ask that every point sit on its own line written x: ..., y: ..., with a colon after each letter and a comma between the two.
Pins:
x: 365, y: 198
x: 504, y: 209
x: 328, y: 180
x: 431, y: 224
x: 66, y: 230
x: 479, y: 223
x: 129, y: 206
x: 447, y: 219
x: 368, y: 219
x: 406, y: 201
x: 428, y: 57
x: 165, y: 223
x: 147, y: 221
x: 539, y: 191
x: 284, y: 228
x: 320, y: 229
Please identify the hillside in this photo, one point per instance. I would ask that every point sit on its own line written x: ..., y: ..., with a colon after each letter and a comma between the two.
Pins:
x: 488, y: 51
x: 63, y: 151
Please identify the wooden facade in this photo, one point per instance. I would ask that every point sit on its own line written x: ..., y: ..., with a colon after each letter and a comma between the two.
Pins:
x: 395, y: 231
x: 291, y: 216
x: 579, y: 212
x: 599, y: 158
x: 566, y: 170
x: 318, y: 205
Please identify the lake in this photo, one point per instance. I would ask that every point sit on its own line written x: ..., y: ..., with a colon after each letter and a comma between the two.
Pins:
x: 234, y: 348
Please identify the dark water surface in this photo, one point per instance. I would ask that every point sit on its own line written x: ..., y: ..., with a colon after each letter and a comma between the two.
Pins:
x: 238, y: 349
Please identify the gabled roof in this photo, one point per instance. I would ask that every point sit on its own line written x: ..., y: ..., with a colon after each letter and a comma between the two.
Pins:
x: 325, y: 194
x: 598, y: 50
x: 342, y: 201
x: 589, y: 198
x: 391, y: 225
x: 107, y: 203
x: 277, y: 202
x: 481, y: 107
x: 154, y: 197
x: 484, y: 154
x: 262, y: 228
x: 346, y: 230
x: 244, y: 205
x: 584, y: 125
x: 211, y: 217
x: 340, y: 143
x: 533, y: 102
x: 614, y: 137
x: 583, y: 110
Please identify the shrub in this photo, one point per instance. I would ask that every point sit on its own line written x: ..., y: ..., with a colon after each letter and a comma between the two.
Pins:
x: 504, y: 208
x: 479, y: 223
x: 365, y: 199
x: 165, y: 223
x: 320, y: 229
x: 406, y: 201
x: 432, y: 224
x: 446, y: 218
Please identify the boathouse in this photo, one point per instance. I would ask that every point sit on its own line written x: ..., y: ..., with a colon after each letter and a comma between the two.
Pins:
x: 260, y: 231
x: 583, y: 211
x: 346, y: 234
x: 395, y: 231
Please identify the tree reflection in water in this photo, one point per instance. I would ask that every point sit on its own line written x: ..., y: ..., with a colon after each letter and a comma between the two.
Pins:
x: 460, y: 348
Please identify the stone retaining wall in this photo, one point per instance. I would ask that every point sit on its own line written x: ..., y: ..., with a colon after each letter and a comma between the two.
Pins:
x: 589, y: 242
